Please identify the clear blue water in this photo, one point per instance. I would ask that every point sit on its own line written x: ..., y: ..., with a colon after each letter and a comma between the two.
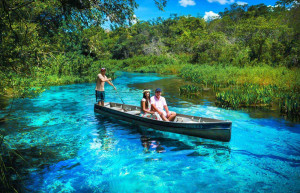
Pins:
x: 69, y: 148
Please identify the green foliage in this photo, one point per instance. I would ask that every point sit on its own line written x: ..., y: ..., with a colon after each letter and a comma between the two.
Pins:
x: 243, y: 55
x: 159, y: 64
x: 218, y: 76
x: 249, y: 86
x: 258, y: 96
x: 247, y: 95
x: 52, y: 38
x: 290, y: 104
x: 190, y: 89
x: 225, y: 76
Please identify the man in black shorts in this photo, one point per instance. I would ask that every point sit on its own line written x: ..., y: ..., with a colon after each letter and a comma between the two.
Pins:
x: 100, y: 93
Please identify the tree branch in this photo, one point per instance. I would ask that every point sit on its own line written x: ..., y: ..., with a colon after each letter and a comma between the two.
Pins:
x: 24, y: 4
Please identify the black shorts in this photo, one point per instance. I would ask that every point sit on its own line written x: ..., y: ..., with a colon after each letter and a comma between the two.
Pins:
x: 100, y: 96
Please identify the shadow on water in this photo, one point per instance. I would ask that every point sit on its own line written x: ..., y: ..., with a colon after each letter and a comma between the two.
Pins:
x: 4, y: 109
x: 167, y: 142
x: 4, y: 102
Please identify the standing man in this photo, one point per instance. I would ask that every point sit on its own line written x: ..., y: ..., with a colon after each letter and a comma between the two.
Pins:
x: 158, y: 103
x: 100, y: 93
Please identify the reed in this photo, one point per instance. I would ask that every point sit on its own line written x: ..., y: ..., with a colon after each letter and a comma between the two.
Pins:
x: 246, y: 95
x: 256, y: 86
x: 190, y: 89
x: 259, y: 85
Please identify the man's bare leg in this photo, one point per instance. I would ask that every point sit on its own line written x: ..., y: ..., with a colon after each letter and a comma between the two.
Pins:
x: 102, y: 103
x: 172, y: 116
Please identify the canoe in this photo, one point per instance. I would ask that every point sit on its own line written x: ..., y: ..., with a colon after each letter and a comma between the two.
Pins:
x: 183, y: 124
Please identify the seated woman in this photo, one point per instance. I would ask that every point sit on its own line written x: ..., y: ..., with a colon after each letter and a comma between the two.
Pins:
x: 146, y: 106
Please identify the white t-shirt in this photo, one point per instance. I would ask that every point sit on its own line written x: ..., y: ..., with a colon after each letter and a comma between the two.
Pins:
x: 159, y: 103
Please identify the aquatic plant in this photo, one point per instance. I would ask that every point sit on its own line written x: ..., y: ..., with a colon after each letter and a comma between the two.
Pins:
x: 249, y: 86
x: 190, y: 89
x: 290, y: 104
x: 246, y: 95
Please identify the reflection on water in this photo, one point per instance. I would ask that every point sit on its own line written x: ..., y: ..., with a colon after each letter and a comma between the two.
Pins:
x: 104, y: 140
x: 4, y: 102
x: 163, y: 142
x: 151, y: 145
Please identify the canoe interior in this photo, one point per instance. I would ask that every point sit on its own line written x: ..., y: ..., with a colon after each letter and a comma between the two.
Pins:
x: 180, y: 118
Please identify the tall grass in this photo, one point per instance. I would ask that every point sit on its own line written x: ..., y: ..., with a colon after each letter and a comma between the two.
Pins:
x: 235, y: 87
x: 259, y: 85
x: 250, y: 86
x: 160, y: 64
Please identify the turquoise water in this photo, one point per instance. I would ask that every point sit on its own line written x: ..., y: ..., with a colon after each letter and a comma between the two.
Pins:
x: 69, y: 148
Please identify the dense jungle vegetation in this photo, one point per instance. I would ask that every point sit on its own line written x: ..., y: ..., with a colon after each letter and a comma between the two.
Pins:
x: 249, y: 55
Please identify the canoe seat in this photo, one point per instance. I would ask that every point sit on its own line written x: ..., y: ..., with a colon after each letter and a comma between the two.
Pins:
x: 134, y: 112
x: 178, y: 119
x: 187, y: 120
x: 117, y: 108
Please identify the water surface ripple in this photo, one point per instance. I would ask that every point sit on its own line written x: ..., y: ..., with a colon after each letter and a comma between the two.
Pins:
x: 72, y: 149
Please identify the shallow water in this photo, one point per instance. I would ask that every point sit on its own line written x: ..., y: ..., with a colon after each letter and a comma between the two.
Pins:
x: 70, y: 148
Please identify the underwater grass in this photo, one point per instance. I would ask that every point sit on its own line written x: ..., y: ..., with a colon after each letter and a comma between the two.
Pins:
x: 7, y: 169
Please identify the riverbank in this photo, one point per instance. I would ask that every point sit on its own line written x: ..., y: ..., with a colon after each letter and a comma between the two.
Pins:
x: 260, y: 86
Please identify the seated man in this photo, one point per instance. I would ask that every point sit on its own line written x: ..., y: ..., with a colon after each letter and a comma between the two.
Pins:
x: 158, y: 104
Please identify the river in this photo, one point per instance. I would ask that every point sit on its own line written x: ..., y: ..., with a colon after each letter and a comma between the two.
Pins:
x: 63, y: 146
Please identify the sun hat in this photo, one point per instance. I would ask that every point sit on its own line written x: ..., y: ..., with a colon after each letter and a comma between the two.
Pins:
x: 146, y: 90
x: 158, y: 90
x: 103, y: 69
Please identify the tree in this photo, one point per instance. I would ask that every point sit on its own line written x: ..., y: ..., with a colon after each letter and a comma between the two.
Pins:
x: 32, y: 31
